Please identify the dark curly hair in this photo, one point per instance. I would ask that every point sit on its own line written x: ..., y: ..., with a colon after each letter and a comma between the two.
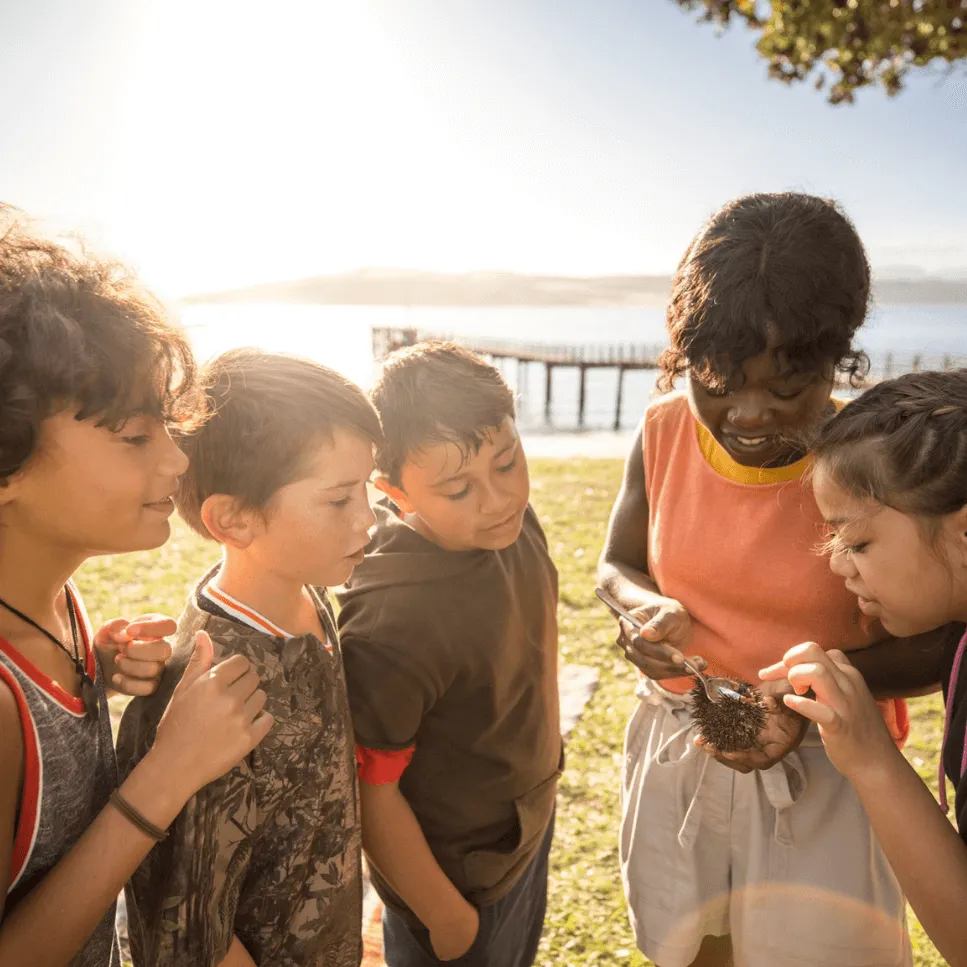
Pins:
x: 903, y: 443
x: 784, y: 265
x: 77, y: 332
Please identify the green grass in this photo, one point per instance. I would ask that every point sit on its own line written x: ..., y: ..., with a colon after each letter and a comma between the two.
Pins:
x: 586, y: 920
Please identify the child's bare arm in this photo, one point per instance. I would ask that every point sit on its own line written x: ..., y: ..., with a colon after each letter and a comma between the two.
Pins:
x: 396, y: 846
x: 906, y: 667
x: 927, y: 855
x: 623, y: 566
x: 623, y: 572
x: 237, y: 956
x: 212, y: 721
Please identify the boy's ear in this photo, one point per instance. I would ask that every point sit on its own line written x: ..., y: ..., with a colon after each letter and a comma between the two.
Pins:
x: 228, y: 522
x: 397, y: 495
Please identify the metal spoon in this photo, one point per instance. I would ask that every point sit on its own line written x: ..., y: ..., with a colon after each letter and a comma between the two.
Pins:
x: 715, y: 688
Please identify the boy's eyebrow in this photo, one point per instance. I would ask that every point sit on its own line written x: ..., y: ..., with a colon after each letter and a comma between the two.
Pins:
x: 462, y: 473
x: 345, y: 483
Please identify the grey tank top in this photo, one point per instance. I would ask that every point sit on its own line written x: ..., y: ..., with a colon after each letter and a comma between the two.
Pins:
x: 69, y: 775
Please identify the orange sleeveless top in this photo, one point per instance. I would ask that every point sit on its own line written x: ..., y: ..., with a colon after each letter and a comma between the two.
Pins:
x: 738, y: 547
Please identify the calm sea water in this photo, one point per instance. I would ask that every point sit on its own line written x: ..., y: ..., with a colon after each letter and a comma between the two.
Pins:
x: 341, y: 337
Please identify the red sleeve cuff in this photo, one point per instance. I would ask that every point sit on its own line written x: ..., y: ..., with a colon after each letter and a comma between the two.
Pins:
x: 378, y: 767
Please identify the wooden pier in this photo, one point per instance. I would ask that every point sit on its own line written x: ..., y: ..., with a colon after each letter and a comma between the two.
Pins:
x: 578, y: 356
x: 620, y: 357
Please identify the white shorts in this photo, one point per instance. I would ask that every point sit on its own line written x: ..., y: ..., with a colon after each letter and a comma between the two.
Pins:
x: 783, y: 860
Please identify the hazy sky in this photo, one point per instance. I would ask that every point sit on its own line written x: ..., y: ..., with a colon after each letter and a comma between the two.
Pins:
x: 226, y: 142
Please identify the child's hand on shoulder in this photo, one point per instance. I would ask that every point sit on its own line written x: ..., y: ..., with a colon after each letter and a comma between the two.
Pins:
x: 133, y: 653
x: 850, y: 723
x: 658, y: 649
x: 783, y: 731
x: 214, y: 719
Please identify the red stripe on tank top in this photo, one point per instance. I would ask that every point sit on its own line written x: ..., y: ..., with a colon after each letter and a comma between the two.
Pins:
x: 58, y: 693
x: 26, y: 833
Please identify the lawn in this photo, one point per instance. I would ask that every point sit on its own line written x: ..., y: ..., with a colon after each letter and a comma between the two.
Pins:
x: 586, y: 922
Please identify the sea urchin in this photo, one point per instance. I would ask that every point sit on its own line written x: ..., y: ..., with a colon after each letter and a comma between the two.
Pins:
x: 730, y: 724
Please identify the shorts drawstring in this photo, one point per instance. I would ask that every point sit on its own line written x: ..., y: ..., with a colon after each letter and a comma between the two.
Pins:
x: 783, y: 783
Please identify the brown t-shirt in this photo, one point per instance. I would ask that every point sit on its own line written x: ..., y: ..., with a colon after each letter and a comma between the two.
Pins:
x: 269, y: 852
x: 455, y: 653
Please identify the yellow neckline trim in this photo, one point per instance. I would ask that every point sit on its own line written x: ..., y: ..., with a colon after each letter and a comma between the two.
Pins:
x: 719, y: 460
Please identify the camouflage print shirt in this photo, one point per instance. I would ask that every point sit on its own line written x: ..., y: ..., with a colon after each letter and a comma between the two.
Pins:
x: 270, y: 852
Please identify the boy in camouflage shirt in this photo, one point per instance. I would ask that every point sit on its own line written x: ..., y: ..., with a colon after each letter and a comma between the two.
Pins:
x: 263, y: 866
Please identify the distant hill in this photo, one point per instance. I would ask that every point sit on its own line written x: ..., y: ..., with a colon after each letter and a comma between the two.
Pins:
x: 416, y: 288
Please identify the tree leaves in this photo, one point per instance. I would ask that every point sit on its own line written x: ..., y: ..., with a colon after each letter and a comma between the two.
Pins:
x: 848, y: 44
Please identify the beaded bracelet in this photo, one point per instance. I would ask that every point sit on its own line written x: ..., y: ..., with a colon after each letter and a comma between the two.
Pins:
x: 132, y: 815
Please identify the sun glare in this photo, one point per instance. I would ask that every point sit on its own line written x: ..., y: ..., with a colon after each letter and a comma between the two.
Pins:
x: 300, y: 146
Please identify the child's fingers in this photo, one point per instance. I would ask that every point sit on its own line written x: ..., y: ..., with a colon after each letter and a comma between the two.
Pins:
x: 806, y: 652
x: 839, y: 658
x: 774, y: 673
x: 661, y: 626
x: 817, y: 712
x: 260, y: 728
x: 143, y: 670
x: 245, y: 686
x: 634, y: 642
x: 655, y: 655
x: 231, y: 670
x: 822, y: 677
x: 151, y: 626
x: 255, y: 703
x: 154, y: 651
x: 113, y: 632
x: 138, y: 687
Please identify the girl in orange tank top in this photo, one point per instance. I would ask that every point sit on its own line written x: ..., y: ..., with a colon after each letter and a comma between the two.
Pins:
x: 713, y: 544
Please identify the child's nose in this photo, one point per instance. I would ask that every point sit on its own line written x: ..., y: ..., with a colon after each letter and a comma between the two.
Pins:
x: 841, y: 563
x: 368, y: 519
x: 174, y: 460
x: 750, y: 411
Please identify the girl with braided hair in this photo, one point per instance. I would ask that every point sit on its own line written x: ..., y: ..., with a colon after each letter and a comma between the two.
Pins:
x: 891, y: 481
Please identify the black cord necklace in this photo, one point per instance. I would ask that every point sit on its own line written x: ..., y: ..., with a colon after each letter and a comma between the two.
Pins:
x: 88, y: 690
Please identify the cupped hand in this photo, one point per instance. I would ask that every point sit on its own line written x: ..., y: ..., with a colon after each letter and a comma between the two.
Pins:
x: 783, y: 731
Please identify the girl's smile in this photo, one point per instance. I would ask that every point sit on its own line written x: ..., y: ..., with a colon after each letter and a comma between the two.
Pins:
x: 764, y: 409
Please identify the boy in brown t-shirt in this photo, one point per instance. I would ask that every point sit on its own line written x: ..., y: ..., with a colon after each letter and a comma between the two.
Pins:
x: 449, y: 631
x: 263, y: 865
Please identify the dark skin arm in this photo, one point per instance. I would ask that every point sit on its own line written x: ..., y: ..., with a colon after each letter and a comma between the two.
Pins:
x: 907, y: 667
x: 892, y: 667
x: 623, y: 573
x: 658, y: 650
